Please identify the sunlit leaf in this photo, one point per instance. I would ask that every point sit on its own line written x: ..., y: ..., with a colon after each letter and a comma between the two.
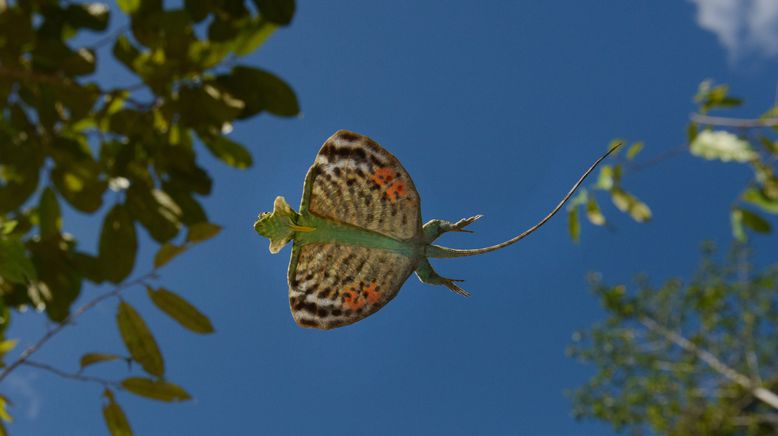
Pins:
x: 7, y: 345
x: 202, y: 232
x: 721, y: 145
x: 573, y: 224
x: 166, y: 253
x: 114, y: 417
x: 4, y: 415
x: 757, y: 198
x: 92, y: 358
x: 605, y: 179
x: 128, y: 6
x: 139, y: 341
x: 634, y: 149
x: 15, y: 266
x: 155, y: 389
x: 736, y: 220
x: 180, y: 310
x: 228, y: 151
x: 593, y: 212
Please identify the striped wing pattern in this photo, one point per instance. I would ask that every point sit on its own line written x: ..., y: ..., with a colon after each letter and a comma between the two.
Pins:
x: 333, y: 285
x: 355, y: 181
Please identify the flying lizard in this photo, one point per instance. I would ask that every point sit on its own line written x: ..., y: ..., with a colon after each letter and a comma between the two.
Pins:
x: 358, y: 235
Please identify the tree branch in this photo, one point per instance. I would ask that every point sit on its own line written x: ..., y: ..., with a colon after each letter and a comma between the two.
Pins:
x: 32, y: 349
x: 765, y: 395
x: 734, y: 122
x: 73, y: 376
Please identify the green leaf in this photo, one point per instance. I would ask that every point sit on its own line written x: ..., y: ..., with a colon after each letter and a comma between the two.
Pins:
x: 736, y: 220
x: 202, y: 232
x: 276, y: 11
x: 634, y: 149
x: 758, y: 198
x: 573, y: 224
x: 753, y: 221
x: 155, y: 210
x: 721, y: 145
x: 180, y: 310
x: 6, y: 227
x: 15, y: 266
x: 229, y: 152
x: 628, y: 203
x: 92, y: 16
x: 252, y: 36
x: 49, y: 218
x: 139, y: 341
x: 605, y: 179
x: 128, y: 6
x: 166, y: 253
x: 92, y: 358
x: 118, y: 244
x: 7, y: 345
x: 593, y: 212
x: 155, y: 389
x: 114, y: 417
x: 4, y: 415
x: 260, y: 90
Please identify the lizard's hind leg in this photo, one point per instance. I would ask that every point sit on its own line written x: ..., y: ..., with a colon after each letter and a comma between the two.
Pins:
x: 427, y: 275
x: 434, y: 228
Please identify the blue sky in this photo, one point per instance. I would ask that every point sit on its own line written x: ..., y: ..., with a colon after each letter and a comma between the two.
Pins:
x: 493, y: 108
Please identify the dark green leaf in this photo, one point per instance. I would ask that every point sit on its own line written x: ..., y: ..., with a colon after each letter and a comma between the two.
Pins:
x: 139, y: 340
x: 92, y: 358
x: 118, y: 244
x: 59, y: 280
x: 634, y: 149
x: 198, y: 9
x: 92, y: 16
x: 202, y: 231
x: 155, y: 210
x: 114, y: 417
x: 125, y: 52
x: 89, y: 266
x: 253, y: 34
x: 155, y: 389
x: 754, y: 221
x: 180, y: 310
x: 229, y: 152
x: 276, y: 11
x: 166, y: 253
x: 49, y: 218
x: 260, y: 90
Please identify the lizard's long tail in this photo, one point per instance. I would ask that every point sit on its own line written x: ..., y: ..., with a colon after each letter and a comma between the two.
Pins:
x: 440, y: 252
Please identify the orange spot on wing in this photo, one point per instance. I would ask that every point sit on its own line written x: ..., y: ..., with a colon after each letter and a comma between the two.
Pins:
x: 396, y: 191
x: 373, y: 293
x: 352, y: 300
x: 355, y: 297
x: 382, y: 176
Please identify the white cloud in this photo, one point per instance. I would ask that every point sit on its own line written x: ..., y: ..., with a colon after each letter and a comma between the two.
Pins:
x: 742, y: 26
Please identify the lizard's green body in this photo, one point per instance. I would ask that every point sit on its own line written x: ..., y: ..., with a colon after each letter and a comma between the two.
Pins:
x: 358, y: 234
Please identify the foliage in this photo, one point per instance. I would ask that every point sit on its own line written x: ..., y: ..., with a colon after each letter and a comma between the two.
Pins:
x: 686, y: 358
x: 126, y: 153
x: 694, y: 358
x: 710, y: 138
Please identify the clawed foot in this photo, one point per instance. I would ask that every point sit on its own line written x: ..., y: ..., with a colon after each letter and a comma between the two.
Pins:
x: 449, y: 283
x: 427, y: 275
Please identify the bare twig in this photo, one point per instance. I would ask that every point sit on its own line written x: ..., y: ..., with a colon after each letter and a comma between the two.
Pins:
x: 765, y: 395
x: 668, y: 154
x: 70, y: 375
x: 734, y: 122
x: 32, y: 349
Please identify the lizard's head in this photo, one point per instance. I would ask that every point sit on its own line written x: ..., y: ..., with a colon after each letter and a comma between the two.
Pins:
x: 278, y: 225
